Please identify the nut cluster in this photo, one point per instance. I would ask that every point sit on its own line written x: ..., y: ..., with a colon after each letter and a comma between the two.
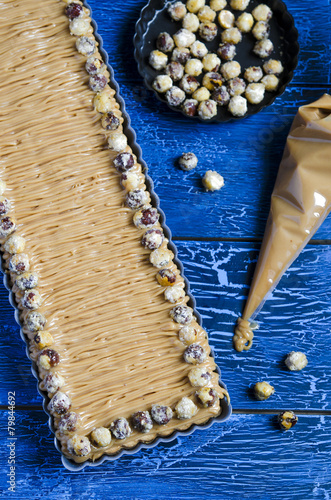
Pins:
x: 198, y: 80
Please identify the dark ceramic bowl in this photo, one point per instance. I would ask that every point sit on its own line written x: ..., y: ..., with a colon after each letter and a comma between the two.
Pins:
x: 154, y: 19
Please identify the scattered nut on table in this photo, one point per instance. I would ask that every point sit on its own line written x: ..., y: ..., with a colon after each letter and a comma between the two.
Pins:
x: 296, y: 361
x: 287, y: 420
x: 263, y: 391
x: 188, y: 161
x: 212, y: 180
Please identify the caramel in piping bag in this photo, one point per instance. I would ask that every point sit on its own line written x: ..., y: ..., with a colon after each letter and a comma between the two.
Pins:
x: 300, y: 202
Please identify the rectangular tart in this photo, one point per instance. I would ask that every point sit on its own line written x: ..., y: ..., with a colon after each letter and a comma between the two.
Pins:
x: 122, y: 358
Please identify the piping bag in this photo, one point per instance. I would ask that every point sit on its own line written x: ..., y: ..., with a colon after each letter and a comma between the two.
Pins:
x: 300, y: 202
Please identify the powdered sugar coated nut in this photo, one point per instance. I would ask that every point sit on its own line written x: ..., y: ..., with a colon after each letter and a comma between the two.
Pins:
x: 230, y: 69
x: 208, y: 31
x: 217, y: 4
x: 206, y: 14
x: 59, y: 404
x: 174, y: 294
x: 201, y: 94
x: 227, y: 51
x: 236, y: 86
x: 68, y: 423
x: 161, y: 257
x: 97, y: 82
x: 188, y: 161
x: 136, y: 199
x: 19, y: 263
x: 262, y: 13
x: 103, y: 101
x: 296, y: 361
x: 74, y: 10
x: 245, y: 22
x: 141, y: 421
x: 190, y: 107
x: 158, y: 60
x: 53, y: 382
x: 109, y: 121
x: 193, y: 67
x: 120, y: 428
x: 165, y: 42
x: 198, y: 49
x: 195, y: 354
x: 31, y: 299
x: 35, y: 321
x: 117, y: 141
x: 212, y: 181
x: 231, y: 35
x: 191, y: 22
x: 146, y: 217
x: 101, y: 437
x: 79, y: 26
x: 181, y: 55
x: 261, y: 30
x: 270, y: 82
x: 184, y: 38
x: 189, y: 84
x: 3, y: 186
x: 188, y: 335
x: 207, y: 109
x: 221, y: 96
x: 239, y: 4
x: 5, y: 205
x: 7, y: 226
x: 207, y: 397
x: 255, y: 93
x: 85, y: 46
x: 152, y: 239
x: 162, y: 83
x: 253, y: 74
x: 263, y: 48
x: 186, y: 408
x: 182, y: 314
x: 94, y: 65
x: 166, y: 277
x: 177, y: 11
x: 123, y: 162
x: 79, y: 446
x: 211, y: 63
x: 273, y: 67
x: 161, y: 414
x: 238, y: 105
x: 175, y: 96
x: 130, y: 180
x: 14, y: 244
x: 226, y: 19
x: 48, y: 358
x: 175, y: 70
x: 263, y: 391
x: 27, y: 281
x: 194, y: 5
x: 212, y: 80
x: 43, y: 339
x: 199, y: 376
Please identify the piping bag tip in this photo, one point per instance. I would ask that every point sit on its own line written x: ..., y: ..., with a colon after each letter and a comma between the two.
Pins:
x: 300, y: 202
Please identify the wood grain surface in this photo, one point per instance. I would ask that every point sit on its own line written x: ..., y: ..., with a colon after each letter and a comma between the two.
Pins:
x: 218, y: 237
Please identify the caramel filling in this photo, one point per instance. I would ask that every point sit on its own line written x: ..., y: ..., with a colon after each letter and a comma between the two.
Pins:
x: 105, y: 310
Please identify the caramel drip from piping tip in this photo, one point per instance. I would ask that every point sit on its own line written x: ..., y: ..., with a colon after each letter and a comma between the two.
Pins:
x: 243, y: 336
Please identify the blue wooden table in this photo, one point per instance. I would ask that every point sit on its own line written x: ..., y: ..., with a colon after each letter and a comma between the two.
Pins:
x: 218, y: 237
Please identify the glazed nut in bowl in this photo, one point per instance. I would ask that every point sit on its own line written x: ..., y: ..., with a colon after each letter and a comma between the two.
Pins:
x: 183, y: 46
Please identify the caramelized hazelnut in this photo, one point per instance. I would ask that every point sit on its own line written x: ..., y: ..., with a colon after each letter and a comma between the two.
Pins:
x: 146, y: 218
x: 53, y: 382
x: 129, y: 180
x: 136, y: 199
x: 68, y: 423
x: 48, y: 358
x: 177, y: 11
x: 94, y: 65
x: 120, y: 428
x: 175, y: 96
x: 158, y: 60
x: 287, y: 420
x: 35, y: 321
x: 227, y: 51
x: 188, y: 161
x: 236, y: 86
x: 14, y: 244
x: 161, y: 414
x: 123, y: 162
x: 181, y: 55
x: 59, y: 404
x: 79, y: 446
x: 190, y: 107
x: 207, y: 397
x: 189, y: 84
x: 31, y: 299
x: 182, y: 314
x: 165, y: 42
x: 174, y: 294
x: 142, y: 421
x: 74, y: 10
x: 27, y: 281
x: 79, y: 26
x: 43, y: 339
x: 184, y: 38
x: 7, y: 226
x: 101, y: 437
x: 208, y: 31
x: 152, y: 239
x: 166, y: 277
x: 195, y: 354
x: 199, y: 376
x: 97, y: 82
x: 5, y: 205
x: 188, y: 335
x: 85, y: 46
x: 207, y: 109
x: 261, y: 30
x: 161, y: 257
x: 175, y: 70
x: 263, y: 48
x: 186, y: 408
x: 221, y: 96
x: 19, y: 263
x: 212, y: 80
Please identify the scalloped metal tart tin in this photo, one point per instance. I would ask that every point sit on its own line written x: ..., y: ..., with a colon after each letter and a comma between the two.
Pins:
x: 155, y: 19
x: 225, y: 405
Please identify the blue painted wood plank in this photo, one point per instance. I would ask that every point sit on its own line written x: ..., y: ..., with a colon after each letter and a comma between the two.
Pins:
x: 247, y: 457
x: 297, y: 317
